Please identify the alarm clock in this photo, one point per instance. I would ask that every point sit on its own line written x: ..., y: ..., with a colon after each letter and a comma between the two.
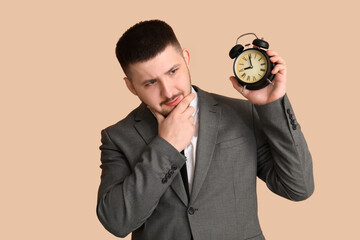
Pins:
x: 252, y: 66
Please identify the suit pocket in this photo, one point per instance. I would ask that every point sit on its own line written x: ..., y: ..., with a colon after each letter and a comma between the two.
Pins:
x: 231, y: 142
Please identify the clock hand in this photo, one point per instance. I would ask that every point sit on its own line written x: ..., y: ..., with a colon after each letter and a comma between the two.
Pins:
x: 248, y: 68
x: 250, y: 61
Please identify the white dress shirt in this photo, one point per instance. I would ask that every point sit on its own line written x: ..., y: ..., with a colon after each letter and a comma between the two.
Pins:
x: 190, y: 150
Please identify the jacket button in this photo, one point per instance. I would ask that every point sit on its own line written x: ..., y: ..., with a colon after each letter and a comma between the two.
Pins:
x: 294, y: 127
x: 164, y: 180
x: 191, y: 211
x: 173, y: 167
x: 288, y: 110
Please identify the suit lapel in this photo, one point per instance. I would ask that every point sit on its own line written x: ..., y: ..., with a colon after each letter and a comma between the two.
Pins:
x: 147, y: 127
x: 178, y: 186
x: 145, y: 124
x: 209, y: 118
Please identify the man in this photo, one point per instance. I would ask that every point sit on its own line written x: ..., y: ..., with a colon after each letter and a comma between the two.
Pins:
x: 183, y: 165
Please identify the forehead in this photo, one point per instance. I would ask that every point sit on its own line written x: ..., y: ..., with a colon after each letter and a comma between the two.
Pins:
x: 157, y: 66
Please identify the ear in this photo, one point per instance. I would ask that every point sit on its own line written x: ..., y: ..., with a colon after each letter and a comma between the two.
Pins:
x: 130, y: 86
x: 186, y: 55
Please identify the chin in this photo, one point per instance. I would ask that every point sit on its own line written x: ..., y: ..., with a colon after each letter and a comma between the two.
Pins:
x: 167, y: 111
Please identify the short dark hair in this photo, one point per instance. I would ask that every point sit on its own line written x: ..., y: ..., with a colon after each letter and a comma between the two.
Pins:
x: 144, y: 41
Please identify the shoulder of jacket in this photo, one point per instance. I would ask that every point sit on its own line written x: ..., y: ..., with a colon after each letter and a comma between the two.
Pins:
x: 126, y: 122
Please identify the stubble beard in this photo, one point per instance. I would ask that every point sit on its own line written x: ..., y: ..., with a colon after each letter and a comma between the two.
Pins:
x: 167, y: 112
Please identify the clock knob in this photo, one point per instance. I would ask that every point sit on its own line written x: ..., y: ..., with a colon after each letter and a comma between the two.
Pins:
x: 261, y: 43
x: 236, y: 50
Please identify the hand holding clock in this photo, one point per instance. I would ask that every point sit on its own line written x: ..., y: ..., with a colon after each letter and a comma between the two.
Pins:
x: 271, y: 92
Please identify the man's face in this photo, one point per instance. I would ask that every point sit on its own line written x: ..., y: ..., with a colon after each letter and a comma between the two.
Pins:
x: 163, y: 81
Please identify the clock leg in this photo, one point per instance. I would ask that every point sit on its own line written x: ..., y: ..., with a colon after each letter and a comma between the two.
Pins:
x: 270, y: 82
x: 242, y: 91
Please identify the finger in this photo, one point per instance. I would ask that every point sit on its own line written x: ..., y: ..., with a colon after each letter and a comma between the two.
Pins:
x: 184, y: 103
x: 189, y: 111
x: 277, y: 60
x: 159, y: 117
x: 279, y: 68
x: 192, y: 119
x: 271, y: 53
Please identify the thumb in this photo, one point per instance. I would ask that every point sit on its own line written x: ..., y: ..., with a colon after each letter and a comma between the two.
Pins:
x: 159, y: 117
x: 236, y: 85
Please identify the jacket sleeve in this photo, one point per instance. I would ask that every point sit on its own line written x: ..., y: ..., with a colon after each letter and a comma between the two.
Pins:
x: 128, y: 196
x: 284, y: 160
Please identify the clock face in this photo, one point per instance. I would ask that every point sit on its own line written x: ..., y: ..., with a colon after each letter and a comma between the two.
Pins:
x: 251, y: 66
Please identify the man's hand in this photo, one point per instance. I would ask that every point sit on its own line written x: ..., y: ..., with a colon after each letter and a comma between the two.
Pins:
x: 271, y: 92
x: 178, y: 127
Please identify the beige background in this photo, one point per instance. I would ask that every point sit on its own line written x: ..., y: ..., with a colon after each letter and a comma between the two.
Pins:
x: 61, y: 84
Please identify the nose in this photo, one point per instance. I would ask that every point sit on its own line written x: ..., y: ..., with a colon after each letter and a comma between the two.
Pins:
x: 166, y: 89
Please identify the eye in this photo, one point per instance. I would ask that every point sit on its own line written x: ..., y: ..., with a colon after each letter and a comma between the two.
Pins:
x: 173, y: 71
x: 149, y: 83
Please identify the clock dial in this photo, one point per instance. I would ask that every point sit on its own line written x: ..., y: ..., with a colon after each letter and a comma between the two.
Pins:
x: 251, y: 66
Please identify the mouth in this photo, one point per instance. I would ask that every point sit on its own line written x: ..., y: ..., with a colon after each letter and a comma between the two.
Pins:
x: 173, y: 102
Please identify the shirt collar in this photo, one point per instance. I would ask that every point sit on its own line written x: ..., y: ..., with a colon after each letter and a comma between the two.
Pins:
x: 194, y: 102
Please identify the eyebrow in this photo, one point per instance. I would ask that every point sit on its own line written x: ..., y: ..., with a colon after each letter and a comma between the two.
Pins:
x: 167, y: 72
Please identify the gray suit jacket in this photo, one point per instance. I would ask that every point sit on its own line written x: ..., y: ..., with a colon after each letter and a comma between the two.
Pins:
x: 142, y: 192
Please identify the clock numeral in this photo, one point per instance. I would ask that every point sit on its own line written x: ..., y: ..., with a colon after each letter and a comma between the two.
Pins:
x: 263, y: 70
x: 259, y: 74
x: 260, y: 59
x: 262, y: 64
x: 243, y: 75
x: 244, y: 59
x: 255, y: 56
x: 241, y: 70
x: 248, y: 78
x: 254, y: 78
x: 241, y: 64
